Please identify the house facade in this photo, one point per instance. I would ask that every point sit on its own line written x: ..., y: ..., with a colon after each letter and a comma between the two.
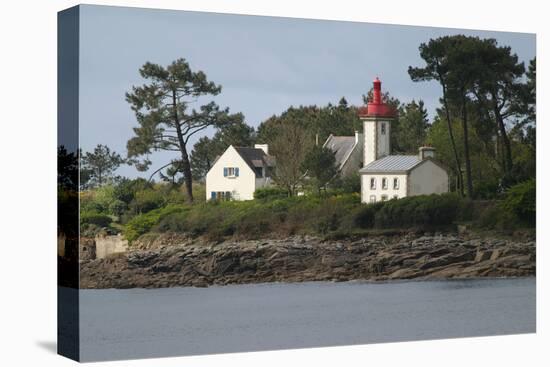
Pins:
x: 239, y: 172
x: 385, y: 176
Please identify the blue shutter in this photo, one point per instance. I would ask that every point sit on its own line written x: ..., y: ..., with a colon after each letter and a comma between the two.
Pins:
x: 236, y: 171
x: 224, y: 171
x: 213, y: 195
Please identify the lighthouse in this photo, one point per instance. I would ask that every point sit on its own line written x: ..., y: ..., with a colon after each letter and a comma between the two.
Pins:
x: 377, y: 117
x: 385, y: 176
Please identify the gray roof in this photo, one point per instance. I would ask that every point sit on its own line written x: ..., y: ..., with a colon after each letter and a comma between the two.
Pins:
x: 392, y: 163
x: 255, y: 157
x: 342, y: 146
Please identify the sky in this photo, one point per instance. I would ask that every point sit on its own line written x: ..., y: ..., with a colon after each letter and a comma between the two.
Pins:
x: 264, y: 64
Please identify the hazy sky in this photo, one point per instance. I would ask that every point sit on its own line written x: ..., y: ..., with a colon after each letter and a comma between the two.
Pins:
x: 265, y: 64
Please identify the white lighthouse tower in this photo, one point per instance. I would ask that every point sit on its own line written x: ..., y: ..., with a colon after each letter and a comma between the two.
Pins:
x: 377, y: 117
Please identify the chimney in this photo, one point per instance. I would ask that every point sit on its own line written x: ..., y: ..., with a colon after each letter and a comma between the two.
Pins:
x: 426, y: 152
x: 263, y: 147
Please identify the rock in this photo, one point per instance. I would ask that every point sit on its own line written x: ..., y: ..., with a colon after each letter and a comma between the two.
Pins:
x: 199, y: 263
x: 483, y: 256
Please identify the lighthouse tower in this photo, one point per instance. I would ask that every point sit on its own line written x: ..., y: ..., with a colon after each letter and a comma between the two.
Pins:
x: 377, y: 117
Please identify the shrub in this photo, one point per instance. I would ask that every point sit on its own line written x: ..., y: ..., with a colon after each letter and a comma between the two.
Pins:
x: 126, y: 189
x: 118, y: 207
x: 520, y: 200
x: 363, y: 217
x: 425, y: 211
x: 143, y: 223
x: 97, y: 219
x: 147, y: 200
x: 348, y: 184
x: 270, y: 193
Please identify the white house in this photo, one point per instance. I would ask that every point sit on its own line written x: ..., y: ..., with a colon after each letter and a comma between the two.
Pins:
x: 385, y: 176
x: 238, y: 172
x: 348, y: 152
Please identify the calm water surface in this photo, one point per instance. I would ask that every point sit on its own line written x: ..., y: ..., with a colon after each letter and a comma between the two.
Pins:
x: 140, y: 323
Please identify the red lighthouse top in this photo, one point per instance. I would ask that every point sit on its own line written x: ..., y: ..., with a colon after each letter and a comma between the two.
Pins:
x: 377, y: 108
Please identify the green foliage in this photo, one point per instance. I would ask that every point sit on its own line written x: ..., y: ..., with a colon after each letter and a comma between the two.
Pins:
x: 320, y: 165
x: 418, y: 211
x: 126, y: 189
x: 97, y: 167
x: 327, y: 215
x: 118, y: 207
x: 169, y: 113
x: 98, y: 219
x: 413, y: 124
x: 347, y: 184
x: 520, y: 200
x: 147, y: 200
x: 270, y: 193
x: 143, y: 223
x: 364, y: 216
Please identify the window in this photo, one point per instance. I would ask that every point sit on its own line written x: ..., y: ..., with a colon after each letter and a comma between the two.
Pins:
x: 372, y: 199
x: 396, y: 183
x: 259, y: 172
x: 231, y: 172
x: 384, y: 197
x: 383, y: 128
x: 384, y: 183
x: 373, y: 183
x: 220, y: 195
x: 395, y: 197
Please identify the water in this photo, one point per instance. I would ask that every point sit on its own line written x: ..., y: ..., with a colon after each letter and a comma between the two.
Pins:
x: 140, y: 323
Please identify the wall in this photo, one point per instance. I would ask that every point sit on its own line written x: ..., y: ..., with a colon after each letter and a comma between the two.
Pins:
x: 376, y: 145
x: 428, y: 178
x: 355, y: 160
x: 366, y: 191
x: 107, y: 245
x: 242, y: 187
x: 263, y: 182
x: 87, y: 249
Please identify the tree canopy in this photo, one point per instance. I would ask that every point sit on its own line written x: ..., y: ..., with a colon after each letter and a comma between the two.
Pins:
x: 170, y: 109
x: 97, y: 167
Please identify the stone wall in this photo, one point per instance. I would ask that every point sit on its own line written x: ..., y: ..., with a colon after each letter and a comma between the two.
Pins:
x: 107, y: 245
x: 87, y: 249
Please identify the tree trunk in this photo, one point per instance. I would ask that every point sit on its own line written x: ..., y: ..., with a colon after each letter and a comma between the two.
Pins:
x: 453, y: 144
x: 469, y: 186
x: 505, y: 140
x: 186, y: 165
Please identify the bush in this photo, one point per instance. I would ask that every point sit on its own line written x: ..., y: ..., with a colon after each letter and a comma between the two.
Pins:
x: 126, y: 189
x: 118, y: 207
x: 97, y: 219
x: 348, y: 184
x: 143, y: 223
x: 520, y: 200
x: 270, y: 193
x: 363, y: 217
x: 424, y: 211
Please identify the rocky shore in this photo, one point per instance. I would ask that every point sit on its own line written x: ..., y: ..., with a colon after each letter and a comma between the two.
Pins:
x: 174, y: 261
